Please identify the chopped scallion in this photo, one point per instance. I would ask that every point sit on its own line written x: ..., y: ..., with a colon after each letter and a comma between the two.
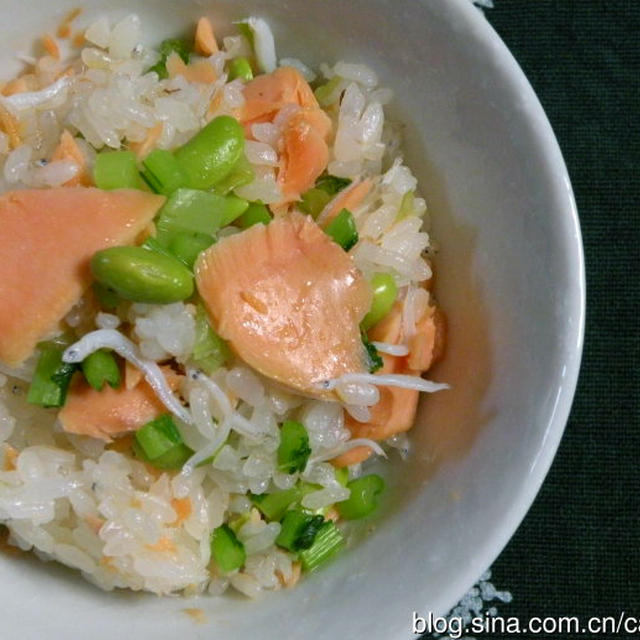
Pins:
x: 52, y: 376
x: 151, y: 244
x: 407, y: 205
x: 100, y: 367
x: 324, y: 93
x: 227, y: 551
x: 188, y: 246
x: 274, y: 505
x: 342, y: 229
x: 240, y: 68
x: 328, y: 541
x: 189, y: 210
x: 294, y: 449
x: 116, y: 170
x: 374, y: 361
x: 163, y: 172
x: 342, y: 475
x: 314, y: 201
x: 171, y: 460
x: 158, y: 436
x: 298, y: 530
x: 364, y: 497
x: 255, y: 214
x: 167, y: 47
x: 232, y: 208
x: 210, y: 351
x: 331, y: 185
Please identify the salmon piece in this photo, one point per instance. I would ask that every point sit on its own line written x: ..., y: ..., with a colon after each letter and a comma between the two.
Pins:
x: 349, y: 198
x: 65, y: 73
x: 303, y: 158
x: 164, y: 544
x: 94, y: 523
x: 183, y: 509
x: 288, y: 300
x: 205, y: 44
x: 304, y: 153
x: 396, y: 410
x: 111, y: 412
x: 51, y: 46
x: 10, y: 125
x: 10, y: 456
x: 64, y: 28
x: 68, y: 149
x: 266, y: 94
x: 122, y: 444
x: 315, y: 118
x: 142, y: 149
x: 353, y: 456
x: 78, y: 39
x: 17, y: 85
x: 427, y: 345
x: 200, y: 71
x: 132, y: 375
x: 48, y: 238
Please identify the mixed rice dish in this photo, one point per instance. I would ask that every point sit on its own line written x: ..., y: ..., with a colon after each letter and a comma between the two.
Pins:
x: 216, y: 307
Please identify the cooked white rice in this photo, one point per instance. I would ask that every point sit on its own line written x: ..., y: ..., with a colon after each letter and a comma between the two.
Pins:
x: 71, y: 498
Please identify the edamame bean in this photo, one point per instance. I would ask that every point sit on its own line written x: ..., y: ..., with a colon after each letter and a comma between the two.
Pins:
x: 384, y: 295
x: 212, y: 153
x: 142, y: 275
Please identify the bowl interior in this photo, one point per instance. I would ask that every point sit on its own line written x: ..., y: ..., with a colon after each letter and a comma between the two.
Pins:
x: 510, y: 279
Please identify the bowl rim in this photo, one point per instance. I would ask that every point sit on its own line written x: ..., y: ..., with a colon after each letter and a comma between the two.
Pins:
x: 486, y: 38
x: 472, y: 20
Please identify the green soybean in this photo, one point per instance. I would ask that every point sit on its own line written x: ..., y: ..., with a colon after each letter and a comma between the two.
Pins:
x: 242, y: 174
x: 140, y: 275
x: 385, y: 292
x: 212, y: 153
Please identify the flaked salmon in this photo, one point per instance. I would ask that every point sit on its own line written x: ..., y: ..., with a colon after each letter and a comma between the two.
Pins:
x: 68, y: 149
x: 304, y: 153
x: 48, y: 238
x: 111, y: 412
x: 395, y: 412
x: 289, y: 301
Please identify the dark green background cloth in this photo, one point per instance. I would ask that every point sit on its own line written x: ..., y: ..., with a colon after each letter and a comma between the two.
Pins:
x: 578, y: 550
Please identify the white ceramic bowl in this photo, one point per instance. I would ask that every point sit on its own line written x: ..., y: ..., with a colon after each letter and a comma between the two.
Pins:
x: 510, y: 278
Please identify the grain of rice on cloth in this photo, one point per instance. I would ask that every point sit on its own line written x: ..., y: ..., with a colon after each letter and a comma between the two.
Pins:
x: 90, y: 504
